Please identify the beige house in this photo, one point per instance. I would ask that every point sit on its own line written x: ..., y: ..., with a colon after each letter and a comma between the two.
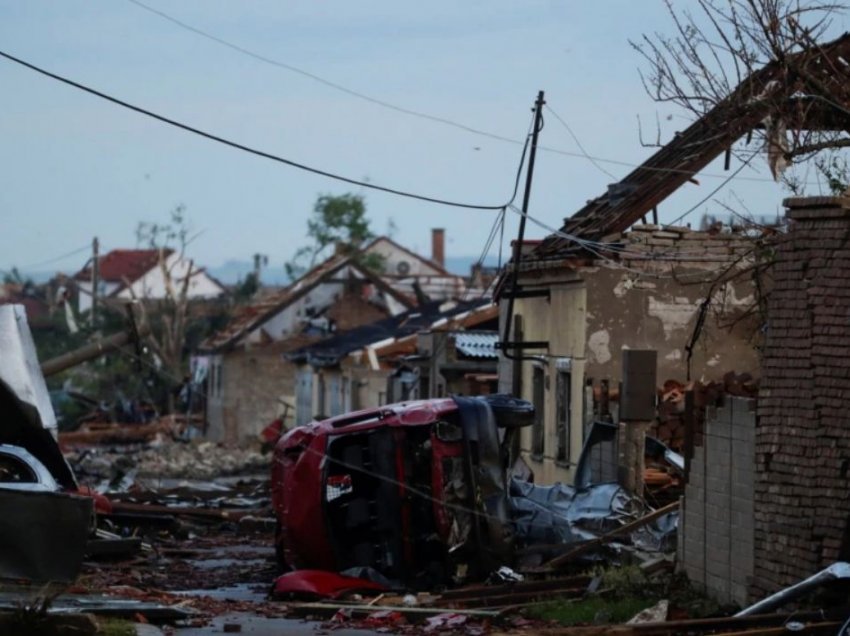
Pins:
x: 250, y: 382
x: 425, y: 352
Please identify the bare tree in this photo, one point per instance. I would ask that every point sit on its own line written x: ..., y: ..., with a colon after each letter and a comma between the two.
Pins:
x: 761, y: 59
x: 167, y: 317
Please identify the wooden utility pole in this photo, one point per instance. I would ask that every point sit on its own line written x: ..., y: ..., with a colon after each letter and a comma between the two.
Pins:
x: 95, y: 279
x: 507, y: 345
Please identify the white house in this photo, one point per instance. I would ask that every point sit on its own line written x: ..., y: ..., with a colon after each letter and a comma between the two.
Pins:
x: 144, y: 274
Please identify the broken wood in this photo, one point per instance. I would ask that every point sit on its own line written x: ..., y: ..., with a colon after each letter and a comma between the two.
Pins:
x: 605, y: 538
x: 411, y: 613
x: 158, y: 509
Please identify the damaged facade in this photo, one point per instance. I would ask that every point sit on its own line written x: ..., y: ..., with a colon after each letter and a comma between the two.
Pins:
x: 392, y: 360
x: 664, y: 289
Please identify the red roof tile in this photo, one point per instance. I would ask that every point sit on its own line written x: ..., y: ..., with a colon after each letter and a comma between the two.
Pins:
x: 121, y: 266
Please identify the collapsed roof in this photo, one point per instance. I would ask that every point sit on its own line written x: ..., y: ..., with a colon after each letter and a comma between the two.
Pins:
x: 803, y: 83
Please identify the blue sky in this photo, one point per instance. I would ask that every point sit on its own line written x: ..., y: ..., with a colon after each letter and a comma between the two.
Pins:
x: 73, y: 166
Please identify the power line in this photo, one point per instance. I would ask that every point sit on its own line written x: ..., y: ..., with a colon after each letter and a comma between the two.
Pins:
x: 248, y: 149
x: 79, y: 250
x: 319, y: 79
x: 575, y: 139
x: 595, y: 160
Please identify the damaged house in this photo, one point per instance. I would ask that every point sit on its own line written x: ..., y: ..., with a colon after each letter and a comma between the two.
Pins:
x: 601, y: 284
x: 765, y: 500
x: 250, y: 382
x: 408, y: 356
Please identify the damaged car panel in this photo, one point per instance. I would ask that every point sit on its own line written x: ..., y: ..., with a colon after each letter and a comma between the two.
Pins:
x: 43, y: 523
x: 414, y: 489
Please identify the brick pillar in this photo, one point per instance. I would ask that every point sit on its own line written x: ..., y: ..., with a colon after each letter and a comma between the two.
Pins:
x: 802, y: 483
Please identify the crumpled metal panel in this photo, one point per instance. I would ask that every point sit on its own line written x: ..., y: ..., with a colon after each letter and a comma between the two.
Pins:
x: 545, y: 515
x: 477, y: 345
x: 563, y: 514
x: 19, y: 368
x: 42, y: 535
x: 838, y: 570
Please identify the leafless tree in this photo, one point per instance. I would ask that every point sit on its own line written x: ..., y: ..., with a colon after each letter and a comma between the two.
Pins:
x: 768, y: 59
x: 167, y: 318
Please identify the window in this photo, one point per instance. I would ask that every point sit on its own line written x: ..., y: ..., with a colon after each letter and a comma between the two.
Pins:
x: 562, y: 422
x: 335, y: 397
x: 303, y: 396
x: 537, y: 429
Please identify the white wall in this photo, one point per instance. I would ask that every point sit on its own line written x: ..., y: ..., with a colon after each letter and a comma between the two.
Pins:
x: 154, y: 283
x: 393, y: 256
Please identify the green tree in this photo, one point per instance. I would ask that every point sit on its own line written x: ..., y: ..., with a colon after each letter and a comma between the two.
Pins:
x: 338, y: 222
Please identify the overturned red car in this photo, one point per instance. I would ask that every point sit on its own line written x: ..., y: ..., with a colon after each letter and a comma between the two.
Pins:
x: 416, y: 491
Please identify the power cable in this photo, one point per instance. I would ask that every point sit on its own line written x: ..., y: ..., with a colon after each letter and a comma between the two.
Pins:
x: 415, y: 113
x: 319, y: 79
x: 575, y: 139
x: 79, y: 250
x: 248, y: 149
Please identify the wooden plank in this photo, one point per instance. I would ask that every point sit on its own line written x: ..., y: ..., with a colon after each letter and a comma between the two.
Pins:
x: 413, y: 613
x: 477, y: 591
x: 605, y: 538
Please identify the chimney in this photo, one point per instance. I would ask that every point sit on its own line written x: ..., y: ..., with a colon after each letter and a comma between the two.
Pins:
x: 438, y: 246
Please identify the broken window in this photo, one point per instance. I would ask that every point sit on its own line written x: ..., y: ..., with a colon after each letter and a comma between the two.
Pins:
x: 537, y: 429
x: 562, y: 423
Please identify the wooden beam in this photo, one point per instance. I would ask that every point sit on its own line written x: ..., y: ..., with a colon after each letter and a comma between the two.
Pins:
x: 605, y: 538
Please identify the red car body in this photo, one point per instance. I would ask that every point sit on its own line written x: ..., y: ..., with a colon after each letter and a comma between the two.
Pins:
x: 396, y: 488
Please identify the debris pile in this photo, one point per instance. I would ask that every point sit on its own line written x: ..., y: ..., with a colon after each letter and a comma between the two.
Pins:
x: 161, y: 458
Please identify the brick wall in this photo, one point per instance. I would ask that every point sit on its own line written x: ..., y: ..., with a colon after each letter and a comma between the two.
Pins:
x: 803, y: 433
x: 717, y: 522
x: 254, y: 384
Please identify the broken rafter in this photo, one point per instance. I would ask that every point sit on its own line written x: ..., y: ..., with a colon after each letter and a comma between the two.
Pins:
x: 714, y: 133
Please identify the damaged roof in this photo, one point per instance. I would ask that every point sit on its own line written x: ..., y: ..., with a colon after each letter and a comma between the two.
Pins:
x: 330, y: 351
x: 124, y: 266
x: 264, y: 308
x: 714, y: 133
x: 476, y: 344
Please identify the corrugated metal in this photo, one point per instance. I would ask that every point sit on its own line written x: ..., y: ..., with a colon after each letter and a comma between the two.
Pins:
x: 477, y: 345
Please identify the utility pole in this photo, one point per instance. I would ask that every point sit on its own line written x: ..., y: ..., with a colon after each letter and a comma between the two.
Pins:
x: 95, y: 279
x: 529, y: 174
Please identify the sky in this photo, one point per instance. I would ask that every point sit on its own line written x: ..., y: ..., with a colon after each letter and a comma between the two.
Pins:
x: 73, y: 166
